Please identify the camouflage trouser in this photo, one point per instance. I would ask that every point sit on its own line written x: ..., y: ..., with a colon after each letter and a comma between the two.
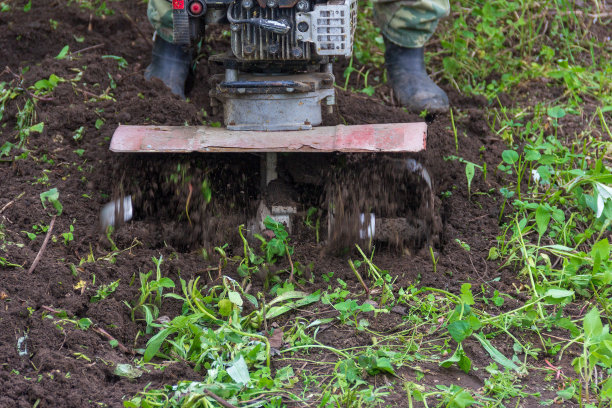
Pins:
x: 160, y: 16
x: 409, y: 23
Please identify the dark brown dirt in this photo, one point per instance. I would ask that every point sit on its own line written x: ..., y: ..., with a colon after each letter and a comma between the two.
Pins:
x: 68, y: 367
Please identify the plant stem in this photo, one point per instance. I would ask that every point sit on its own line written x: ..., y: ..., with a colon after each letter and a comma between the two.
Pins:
x: 359, y: 277
x: 529, y: 264
x: 333, y: 350
x: 454, y: 130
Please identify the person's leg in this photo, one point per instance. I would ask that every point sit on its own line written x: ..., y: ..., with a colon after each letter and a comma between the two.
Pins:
x: 170, y: 62
x: 159, y: 13
x: 406, y: 26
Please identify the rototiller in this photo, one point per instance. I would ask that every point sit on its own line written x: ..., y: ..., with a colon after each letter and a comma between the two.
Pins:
x: 278, y: 79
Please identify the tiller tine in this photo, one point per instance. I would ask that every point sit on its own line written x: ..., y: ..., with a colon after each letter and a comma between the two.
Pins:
x: 393, y: 137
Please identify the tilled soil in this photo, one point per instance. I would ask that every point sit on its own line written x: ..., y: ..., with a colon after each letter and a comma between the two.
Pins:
x: 60, y: 365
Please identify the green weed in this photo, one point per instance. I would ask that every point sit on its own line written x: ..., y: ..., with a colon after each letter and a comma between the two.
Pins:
x: 150, y: 298
x: 68, y: 236
x: 52, y: 196
x: 104, y: 291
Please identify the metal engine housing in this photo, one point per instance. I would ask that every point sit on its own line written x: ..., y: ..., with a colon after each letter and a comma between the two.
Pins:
x: 324, y: 29
x: 280, y: 76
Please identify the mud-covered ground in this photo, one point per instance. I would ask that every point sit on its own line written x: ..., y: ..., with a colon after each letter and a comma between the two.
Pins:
x: 59, y: 365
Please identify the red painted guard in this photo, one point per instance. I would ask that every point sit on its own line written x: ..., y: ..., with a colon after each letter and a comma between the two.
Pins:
x: 391, y: 137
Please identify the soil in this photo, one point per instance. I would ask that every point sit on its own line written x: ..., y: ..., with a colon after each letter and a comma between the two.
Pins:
x: 64, y: 366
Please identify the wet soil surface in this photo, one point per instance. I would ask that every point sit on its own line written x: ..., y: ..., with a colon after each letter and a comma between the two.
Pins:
x: 56, y: 364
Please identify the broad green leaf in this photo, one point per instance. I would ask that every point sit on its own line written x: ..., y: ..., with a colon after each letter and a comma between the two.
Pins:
x: 155, y: 343
x: 276, y: 227
x: 165, y: 283
x: 567, y: 393
x: 38, y: 128
x: 235, y: 298
x: 206, y: 190
x: 347, y: 305
x: 84, y: 323
x: 466, y: 294
x: 148, y: 314
x: 294, y: 294
x: 558, y: 215
x: 366, y: 307
x: 252, y: 299
x: 239, y: 372
x: 278, y: 310
x: 542, y: 219
x: 544, y: 172
x: 493, y: 254
x: 601, y: 248
x: 556, y: 296
x: 559, y: 293
x: 474, y: 322
x: 592, y: 324
x: 497, y: 299
x: 455, y: 358
x: 384, y: 364
x: 465, y: 363
x: 510, y: 156
x: 53, y: 197
x: 349, y: 369
x: 369, y: 90
x: 567, y: 324
x: 243, y: 270
x: 5, y: 150
x: 506, y: 193
x: 458, y: 357
x: 63, y: 53
x: 284, y: 374
x: 459, y: 330
x: 495, y: 354
x: 532, y: 155
x: 461, y: 399
x: 556, y: 112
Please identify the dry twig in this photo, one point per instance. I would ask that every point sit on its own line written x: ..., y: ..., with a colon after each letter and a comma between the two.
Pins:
x: 93, y: 47
x: 219, y: 399
x: 20, y: 79
x: 44, y: 245
x: 111, y: 338
x: 7, y: 205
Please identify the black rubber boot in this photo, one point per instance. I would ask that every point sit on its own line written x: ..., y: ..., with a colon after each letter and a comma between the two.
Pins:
x: 170, y: 63
x: 410, y: 82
